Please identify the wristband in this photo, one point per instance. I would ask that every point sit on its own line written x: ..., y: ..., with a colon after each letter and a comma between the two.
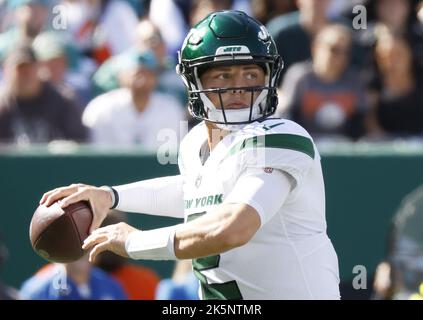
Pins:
x: 154, y: 244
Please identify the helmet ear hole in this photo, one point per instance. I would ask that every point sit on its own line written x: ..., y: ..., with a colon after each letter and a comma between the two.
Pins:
x: 180, y: 69
x: 279, y: 62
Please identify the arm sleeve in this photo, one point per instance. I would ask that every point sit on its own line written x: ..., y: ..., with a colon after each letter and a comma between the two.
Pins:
x: 263, y: 189
x: 159, y: 196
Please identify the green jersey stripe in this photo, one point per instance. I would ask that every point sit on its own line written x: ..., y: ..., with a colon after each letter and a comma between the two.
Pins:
x: 281, y: 140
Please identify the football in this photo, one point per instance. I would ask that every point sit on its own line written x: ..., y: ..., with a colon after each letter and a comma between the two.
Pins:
x: 57, y: 234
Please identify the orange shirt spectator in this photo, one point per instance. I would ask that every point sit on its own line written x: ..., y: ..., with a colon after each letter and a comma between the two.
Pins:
x: 139, y: 282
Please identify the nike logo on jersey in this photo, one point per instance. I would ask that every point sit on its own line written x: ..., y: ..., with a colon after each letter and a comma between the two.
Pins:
x: 270, y: 127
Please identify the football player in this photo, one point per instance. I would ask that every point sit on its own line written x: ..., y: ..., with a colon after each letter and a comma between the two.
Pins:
x: 250, y: 187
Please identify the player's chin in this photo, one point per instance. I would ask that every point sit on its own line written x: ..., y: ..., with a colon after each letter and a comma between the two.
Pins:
x: 236, y: 107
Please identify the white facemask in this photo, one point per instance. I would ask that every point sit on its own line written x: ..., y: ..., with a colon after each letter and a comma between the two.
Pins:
x: 233, y: 115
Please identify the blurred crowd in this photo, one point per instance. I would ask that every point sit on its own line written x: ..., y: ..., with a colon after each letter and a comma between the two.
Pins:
x: 102, y: 71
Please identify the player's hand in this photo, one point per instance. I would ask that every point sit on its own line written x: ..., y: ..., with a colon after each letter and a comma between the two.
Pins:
x: 111, y: 238
x: 100, y: 200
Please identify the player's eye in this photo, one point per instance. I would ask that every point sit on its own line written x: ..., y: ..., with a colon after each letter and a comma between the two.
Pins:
x: 251, y: 76
x: 222, y: 76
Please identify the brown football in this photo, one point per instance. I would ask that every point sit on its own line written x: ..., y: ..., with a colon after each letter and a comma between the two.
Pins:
x: 57, y: 234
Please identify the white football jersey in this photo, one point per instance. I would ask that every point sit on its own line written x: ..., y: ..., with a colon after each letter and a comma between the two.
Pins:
x: 290, y: 256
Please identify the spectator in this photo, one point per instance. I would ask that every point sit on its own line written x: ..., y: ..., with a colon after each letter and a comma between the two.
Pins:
x: 136, y: 113
x: 344, y: 8
x: 242, y: 5
x: 30, y: 17
x: 33, y: 111
x: 399, y: 17
x: 149, y: 39
x: 139, y: 282
x: 72, y: 281
x: 265, y: 10
x: 182, y: 286
x: 400, y: 275
x: 201, y: 8
x: 61, y: 65
x: 400, y: 99
x: 298, y: 29
x: 101, y: 28
x: 171, y: 17
x: 325, y: 96
x: 175, y: 17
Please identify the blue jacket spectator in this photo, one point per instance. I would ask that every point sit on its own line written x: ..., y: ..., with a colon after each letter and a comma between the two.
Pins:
x: 56, y: 282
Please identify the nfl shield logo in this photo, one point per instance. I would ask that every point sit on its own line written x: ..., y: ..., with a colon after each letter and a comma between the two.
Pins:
x: 198, y: 181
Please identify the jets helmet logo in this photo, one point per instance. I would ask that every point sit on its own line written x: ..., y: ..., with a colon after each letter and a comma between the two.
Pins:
x: 263, y: 34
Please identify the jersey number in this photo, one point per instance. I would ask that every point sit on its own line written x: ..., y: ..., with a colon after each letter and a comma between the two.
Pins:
x: 222, y: 291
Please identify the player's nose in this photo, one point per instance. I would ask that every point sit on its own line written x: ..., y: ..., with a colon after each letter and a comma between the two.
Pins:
x: 237, y: 82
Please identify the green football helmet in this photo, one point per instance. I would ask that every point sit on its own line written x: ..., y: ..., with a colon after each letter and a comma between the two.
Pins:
x: 229, y: 38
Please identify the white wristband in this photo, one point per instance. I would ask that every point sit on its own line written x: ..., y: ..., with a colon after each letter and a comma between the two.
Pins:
x: 154, y: 244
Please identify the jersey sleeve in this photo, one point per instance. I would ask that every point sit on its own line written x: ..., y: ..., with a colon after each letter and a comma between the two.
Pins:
x: 288, y: 152
x: 264, y: 190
